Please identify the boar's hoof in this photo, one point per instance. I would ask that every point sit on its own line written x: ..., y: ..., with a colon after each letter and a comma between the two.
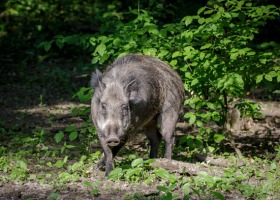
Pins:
x: 113, y: 141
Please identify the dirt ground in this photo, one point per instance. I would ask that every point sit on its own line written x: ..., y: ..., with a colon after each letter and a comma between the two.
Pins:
x: 29, y: 105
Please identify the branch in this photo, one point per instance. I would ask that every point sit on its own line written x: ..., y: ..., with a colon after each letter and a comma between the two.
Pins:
x: 183, y: 167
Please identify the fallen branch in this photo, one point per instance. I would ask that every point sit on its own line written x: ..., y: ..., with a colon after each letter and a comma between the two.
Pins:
x: 218, y: 161
x: 184, y: 168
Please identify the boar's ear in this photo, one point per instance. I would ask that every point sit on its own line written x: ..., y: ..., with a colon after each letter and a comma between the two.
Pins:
x: 131, y: 89
x: 96, y: 80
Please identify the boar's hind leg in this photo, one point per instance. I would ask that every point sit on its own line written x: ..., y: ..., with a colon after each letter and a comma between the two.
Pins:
x: 167, y: 122
x: 154, y: 136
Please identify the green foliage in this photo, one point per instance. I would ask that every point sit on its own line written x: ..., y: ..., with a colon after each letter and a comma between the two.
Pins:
x: 94, y: 187
x: 54, y: 196
x: 135, y: 172
x: 20, y: 165
x: 215, y: 52
x: 59, y: 136
x: 27, y: 23
x: 84, y: 95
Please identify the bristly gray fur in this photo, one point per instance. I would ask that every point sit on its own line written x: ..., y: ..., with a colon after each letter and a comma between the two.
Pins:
x: 135, y: 93
x: 95, y: 79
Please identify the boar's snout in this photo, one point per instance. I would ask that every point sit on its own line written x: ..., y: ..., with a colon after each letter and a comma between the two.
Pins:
x: 113, y: 141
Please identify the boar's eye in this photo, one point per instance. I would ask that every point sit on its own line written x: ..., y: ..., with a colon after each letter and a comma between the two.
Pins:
x: 103, y: 109
x: 124, y: 109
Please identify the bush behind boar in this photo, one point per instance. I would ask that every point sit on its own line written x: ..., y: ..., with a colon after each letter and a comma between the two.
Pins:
x: 136, y: 93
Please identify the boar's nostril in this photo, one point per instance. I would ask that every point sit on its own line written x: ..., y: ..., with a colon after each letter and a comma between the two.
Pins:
x: 113, y: 141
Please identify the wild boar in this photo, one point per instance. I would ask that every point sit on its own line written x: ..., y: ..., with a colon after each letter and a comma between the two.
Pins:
x: 136, y: 93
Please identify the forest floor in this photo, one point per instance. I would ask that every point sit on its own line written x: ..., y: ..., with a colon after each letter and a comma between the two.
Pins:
x: 40, y: 98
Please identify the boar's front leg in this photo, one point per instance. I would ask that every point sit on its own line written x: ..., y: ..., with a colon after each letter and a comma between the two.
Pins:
x: 109, y: 154
x: 107, y: 160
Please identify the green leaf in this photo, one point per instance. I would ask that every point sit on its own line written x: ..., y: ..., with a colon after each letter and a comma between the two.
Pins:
x: 227, y: 15
x: 206, y: 46
x: 188, y: 35
x: 94, y: 60
x: 218, y: 137
x: 115, y: 174
x: 95, y: 192
x: 150, y: 51
x: 210, y: 105
x: 176, y: 54
x: 92, y: 41
x: 273, y: 73
x: 69, y: 146
x: 268, y: 77
x: 259, y: 78
x: 22, y: 165
x: 192, y: 119
x: 65, y: 159
x: 73, y: 135
x: 117, y: 42
x: 201, y: 20
x: 206, y: 64
x: 218, y: 195
x: 209, y: 11
x: 263, y: 60
x: 234, y: 55
x: 168, y: 196
x: 54, y: 196
x: 248, y: 4
x: 162, y: 53
x: 70, y: 128
x: 188, y: 115
x: 137, y: 162
x: 216, y: 16
x: 75, y: 166
x: 59, y: 163
x: 162, y: 173
x: 201, y: 55
x: 186, y: 188
x: 151, y: 160
x: 162, y: 188
x: 173, y: 63
x: 194, y: 82
x: 64, y: 176
x: 162, y: 33
x: 188, y: 20
x: 133, y: 171
x: 47, y: 45
x: 199, y: 123
x: 59, y: 43
x: 200, y: 10
x: 59, y: 136
x: 251, y: 53
x: 101, y: 48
